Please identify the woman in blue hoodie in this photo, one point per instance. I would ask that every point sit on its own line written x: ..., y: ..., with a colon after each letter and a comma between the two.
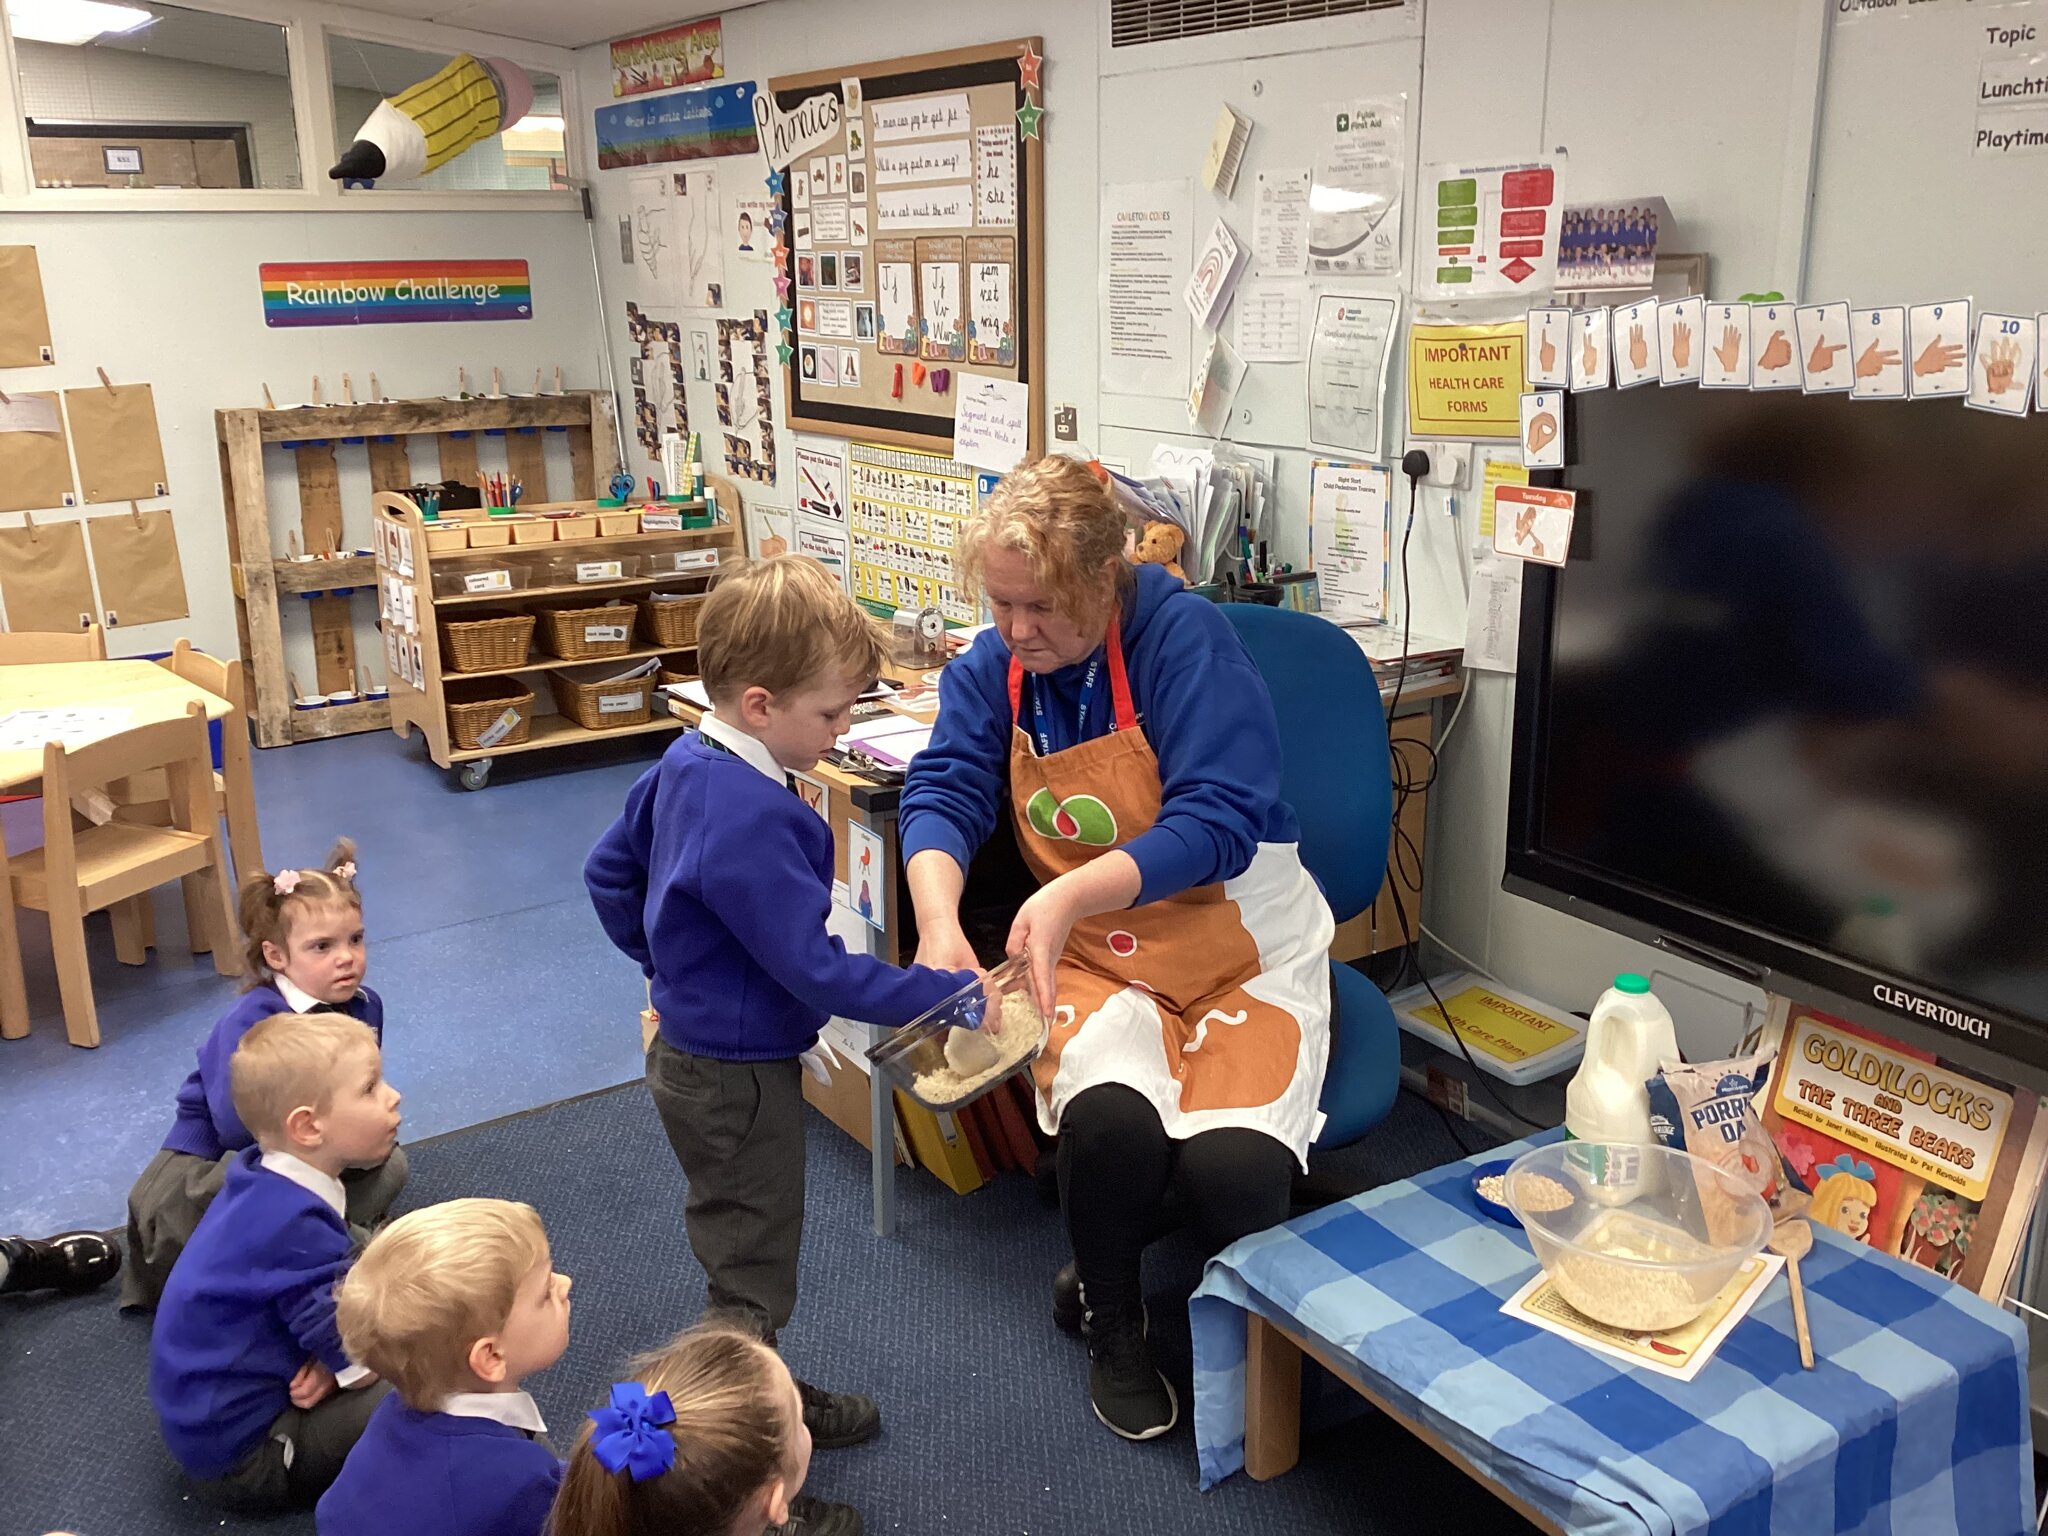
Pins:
x: 1176, y: 943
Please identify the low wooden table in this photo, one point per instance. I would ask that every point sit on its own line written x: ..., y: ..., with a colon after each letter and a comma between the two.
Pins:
x: 148, y: 692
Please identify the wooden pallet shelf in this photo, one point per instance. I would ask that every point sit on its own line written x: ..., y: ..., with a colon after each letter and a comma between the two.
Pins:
x: 314, y: 440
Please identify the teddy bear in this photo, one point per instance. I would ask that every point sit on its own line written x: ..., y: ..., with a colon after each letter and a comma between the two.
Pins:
x: 1160, y: 544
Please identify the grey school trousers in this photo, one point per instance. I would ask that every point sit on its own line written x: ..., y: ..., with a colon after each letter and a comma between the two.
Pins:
x: 300, y: 1457
x: 738, y: 1130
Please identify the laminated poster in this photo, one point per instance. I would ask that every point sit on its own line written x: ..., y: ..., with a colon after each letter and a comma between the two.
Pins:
x: 942, y: 328
x: 991, y: 316
x: 1354, y: 213
x: 1350, y: 345
x: 896, y: 296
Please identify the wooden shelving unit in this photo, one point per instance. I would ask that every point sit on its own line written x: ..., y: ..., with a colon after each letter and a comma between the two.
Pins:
x: 425, y: 708
x: 315, y: 436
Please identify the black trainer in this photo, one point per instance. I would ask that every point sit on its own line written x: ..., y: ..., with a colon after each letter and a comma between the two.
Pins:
x: 70, y: 1261
x: 816, y: 1517
x: 1129, y: 1394
x: 838, y: 1419
x: 1066, y: 1299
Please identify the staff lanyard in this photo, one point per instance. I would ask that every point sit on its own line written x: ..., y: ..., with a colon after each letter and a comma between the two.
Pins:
x: 1090, y: 681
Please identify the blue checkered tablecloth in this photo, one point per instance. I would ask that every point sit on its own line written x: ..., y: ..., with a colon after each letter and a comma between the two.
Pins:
x: 1914, y: 1421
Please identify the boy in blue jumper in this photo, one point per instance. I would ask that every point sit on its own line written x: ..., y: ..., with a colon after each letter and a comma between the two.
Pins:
x: 305, y: 954
x: 717, y: 881
x: 454, y: 1305
x: 257, y: 1399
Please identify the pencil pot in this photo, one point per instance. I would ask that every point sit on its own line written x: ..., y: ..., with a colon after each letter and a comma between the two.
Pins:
x: 585, y: 634
x: 486, y: 712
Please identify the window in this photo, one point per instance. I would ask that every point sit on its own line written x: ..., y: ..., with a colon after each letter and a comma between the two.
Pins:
x: 528, y: 156
x: 137, y: 94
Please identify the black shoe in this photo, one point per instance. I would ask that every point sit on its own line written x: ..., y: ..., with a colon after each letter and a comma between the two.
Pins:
x: 815, y: 1517
x: 838, y: 1419
x: 1130, y: 1396
x: 1066, y: 1300
x: 70, y: 1261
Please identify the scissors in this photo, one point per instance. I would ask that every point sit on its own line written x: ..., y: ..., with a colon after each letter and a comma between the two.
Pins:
x: 622, y: 486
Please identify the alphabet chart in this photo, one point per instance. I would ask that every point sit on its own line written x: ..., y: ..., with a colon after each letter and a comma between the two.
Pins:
x: 905, y: 509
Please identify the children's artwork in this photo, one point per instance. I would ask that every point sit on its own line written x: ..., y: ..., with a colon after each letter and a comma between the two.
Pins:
x: 660, y: 403
x: 1591, y: 360
x: 1877, y: 339
x: 699, y: 220
x: 1532, y: 522
x: 654, y: 240
x: 1774, y: 332
x: 1938, y: 349
x: 1610, y: 245
x: 1637, y: 345
x: 2001, y: 377
x: 941, y: 326
x: 1726, y: 365
x: 1549, y: 342
x: 1826, y: 364
x: 1680, y: 326
x: 745, y: 404
x: 991, y: 314
x: 896, y: 297
x: 864, y: 322
x: 868, y: 875
x: 1542, y: 432
x: 753, y: 228
x: 114, y: 437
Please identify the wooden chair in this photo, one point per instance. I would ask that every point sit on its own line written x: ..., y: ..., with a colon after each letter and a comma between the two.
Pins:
x: 78, y: 871
x: 22, y: 647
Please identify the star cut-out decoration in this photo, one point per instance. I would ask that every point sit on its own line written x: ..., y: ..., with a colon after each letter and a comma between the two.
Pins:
x: 781, y: 254
x: 777, y: 218
x: 782, y: 285
x: 1028, y: 66
x: 783, y: 352
x: 784, y: 316
x: 775, y: 183
x: 1028, y: 118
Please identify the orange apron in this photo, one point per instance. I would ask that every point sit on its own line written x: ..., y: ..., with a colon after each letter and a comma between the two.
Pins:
x: 1215, y: 1003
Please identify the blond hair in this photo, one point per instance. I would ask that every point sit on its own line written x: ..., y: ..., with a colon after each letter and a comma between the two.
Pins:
x: 291, y: 1060
x: 732, y: 1431
x: 780, y: 624
x: 1059, y: 515
x: 1836, y: 1191
x: 266, y: 912
x: 430, y: 1285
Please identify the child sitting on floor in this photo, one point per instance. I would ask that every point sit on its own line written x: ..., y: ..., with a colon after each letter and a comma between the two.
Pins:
x: 305, y: 955
x: 707, y: 1436
x: 257, y: 1399
x: 717, y: 882
x: 455, y: 1305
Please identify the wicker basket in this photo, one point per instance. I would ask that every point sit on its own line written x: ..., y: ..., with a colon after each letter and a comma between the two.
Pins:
x: 478, y: 709
x: 671, y: 623
x: 486, y: 642
x: 675, y: 677
x: 567, y: 632
x: 604, y: 706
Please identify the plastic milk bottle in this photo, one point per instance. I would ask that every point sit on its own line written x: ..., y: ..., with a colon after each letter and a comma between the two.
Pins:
x: 1606, y: 1101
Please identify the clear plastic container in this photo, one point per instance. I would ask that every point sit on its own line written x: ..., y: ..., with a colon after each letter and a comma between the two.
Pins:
x: 1642, y: 1242
x: 960, y: 1050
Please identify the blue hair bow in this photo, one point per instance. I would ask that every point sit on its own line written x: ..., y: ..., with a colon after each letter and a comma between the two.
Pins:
x: 1854, y: 1167
x: 631, y: 1435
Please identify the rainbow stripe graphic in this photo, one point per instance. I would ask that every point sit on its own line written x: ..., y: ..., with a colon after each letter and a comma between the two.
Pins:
x: 394, y: 292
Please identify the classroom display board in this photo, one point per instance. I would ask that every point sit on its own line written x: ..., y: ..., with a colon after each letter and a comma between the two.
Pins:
x: 905, y: 509
x: 910, y: 195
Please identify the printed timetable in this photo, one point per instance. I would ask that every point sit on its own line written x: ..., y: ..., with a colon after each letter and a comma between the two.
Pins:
x: 905, y: 510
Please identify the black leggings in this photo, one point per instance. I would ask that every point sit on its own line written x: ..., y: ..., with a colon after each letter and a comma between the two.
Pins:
x: 1116, y: 1165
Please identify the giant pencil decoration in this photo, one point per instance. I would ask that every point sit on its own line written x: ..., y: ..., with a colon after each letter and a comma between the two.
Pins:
x: 425, y: 126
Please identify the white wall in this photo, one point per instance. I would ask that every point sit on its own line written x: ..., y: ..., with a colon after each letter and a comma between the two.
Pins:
x: 174, y: 300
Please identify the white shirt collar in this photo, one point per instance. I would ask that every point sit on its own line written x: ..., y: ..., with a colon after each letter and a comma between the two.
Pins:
x: 516, y: 1409
x: 306, y: 1176
x: 295, y: 997
x: 744, y: 747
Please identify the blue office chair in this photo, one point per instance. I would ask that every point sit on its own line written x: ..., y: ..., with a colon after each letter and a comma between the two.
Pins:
x: 1335, y: 773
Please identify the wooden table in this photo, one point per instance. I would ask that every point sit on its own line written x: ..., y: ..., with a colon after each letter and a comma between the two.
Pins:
x: 148, y: 692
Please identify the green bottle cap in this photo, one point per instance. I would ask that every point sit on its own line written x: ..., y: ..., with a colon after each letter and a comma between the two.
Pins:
x: 1631, y: 983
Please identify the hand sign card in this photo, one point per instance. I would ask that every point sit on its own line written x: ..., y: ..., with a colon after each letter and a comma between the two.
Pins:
x: 1680, y: 325
x: 1938, y: 349
x: 1827, y: 366
x: 1877, y: 341
x: 1542, y: 430
x: 1549, y: 339
x: 1775, y: 335
x: 1726, y: 365
x: 1636, y: 346
x: 2002, y: 372
x: 1591, y: 365
x: 1532, y: 522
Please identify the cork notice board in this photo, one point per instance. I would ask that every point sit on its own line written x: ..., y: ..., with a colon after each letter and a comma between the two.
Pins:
x: 913, y: 242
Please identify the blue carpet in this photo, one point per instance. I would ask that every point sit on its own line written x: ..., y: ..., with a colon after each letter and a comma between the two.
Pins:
x: 987, y: 1427
x: 483, y: 946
